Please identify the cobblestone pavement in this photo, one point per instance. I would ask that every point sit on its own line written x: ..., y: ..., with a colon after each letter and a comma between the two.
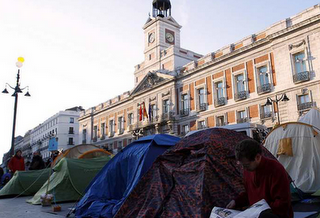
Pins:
x: 18, y: 208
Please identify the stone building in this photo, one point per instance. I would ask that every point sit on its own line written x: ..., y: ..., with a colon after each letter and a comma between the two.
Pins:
x: 177, y: 90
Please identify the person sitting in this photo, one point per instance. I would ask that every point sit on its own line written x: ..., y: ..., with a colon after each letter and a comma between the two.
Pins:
x: 37, y: 163
x: 264, y: 178
x: 16, y: 162
x: 5, y: 178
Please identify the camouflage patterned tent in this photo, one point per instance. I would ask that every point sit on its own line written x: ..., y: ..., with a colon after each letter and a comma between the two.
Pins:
x: 188, y: 180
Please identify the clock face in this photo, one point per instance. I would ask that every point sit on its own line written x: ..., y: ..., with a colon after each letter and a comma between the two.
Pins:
x: 169, y: 37
x: 151, y: 37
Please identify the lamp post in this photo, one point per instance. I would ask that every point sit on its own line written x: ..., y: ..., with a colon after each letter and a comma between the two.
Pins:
x: 283, y: 97
x: 17, y: 90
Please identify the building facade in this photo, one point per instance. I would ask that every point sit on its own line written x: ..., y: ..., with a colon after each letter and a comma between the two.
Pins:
x: 63, y: 127
x: 177, y: 90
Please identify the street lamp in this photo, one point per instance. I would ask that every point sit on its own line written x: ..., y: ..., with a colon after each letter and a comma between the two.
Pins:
x: 283, y: 97
x: 17, y: 90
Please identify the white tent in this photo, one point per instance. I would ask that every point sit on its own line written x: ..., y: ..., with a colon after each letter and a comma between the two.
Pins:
x: 312, y: 118
x: 301, y: 141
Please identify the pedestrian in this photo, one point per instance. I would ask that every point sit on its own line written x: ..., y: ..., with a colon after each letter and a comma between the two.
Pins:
x: 5, y: 178
x: 53, y: 156
x: 264, y: 178
x: 16, y: 162
x: 1, y: 172
x: 37, y: 162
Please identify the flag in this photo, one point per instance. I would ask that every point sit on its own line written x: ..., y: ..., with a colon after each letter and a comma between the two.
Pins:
x: 140, y: 113
x: 145, y: 114
x: 150, y: 113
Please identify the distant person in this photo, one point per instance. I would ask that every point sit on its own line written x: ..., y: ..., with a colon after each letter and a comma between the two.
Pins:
x: 264, y: 178
x: 1, y: 172
x: 53, y: 156
x: 5, y: 178
x: 27, y: 165
x: 16, y: 163
x: 37, y: 162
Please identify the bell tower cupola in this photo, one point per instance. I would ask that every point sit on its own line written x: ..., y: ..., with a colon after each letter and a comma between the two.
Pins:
x: 161, y: 8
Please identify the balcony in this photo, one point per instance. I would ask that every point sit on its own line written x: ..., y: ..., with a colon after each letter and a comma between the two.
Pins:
x: 240, y: 95
x: 243, y: 120
x: 220, y: 101
x: 71, y: 132
x: 111, y: 134
x: 264, y: 88
x: 202, y: 127
x: 184, y: 112
x: 266, y: 115
x: 202, y: 107
x: 301, y: 77
x: 305, y: 106
x: 167, y: 116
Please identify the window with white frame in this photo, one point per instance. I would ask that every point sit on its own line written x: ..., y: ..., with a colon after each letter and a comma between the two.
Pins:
x: 71, y: 120
x: 84, y: 135
x: 264, y: 84
x: 153, y: 111
x: 300, y: 66
x: 130, y: 118
x: 304, y: 102
x: 201, y: 124
x: 219, y: 93
x: 70, y: 130
x: 242, y: 116
x: 184, y: 105
x: 103, y: 128
x: 185, y: 129
x: 111, y: 127
x: 240, y: 87
x: 201, y: 99
x: 166, y: 106
x: 120, y: 125
x: 220, y: 120
x: 95, y: 132
x: 70, y: 141
x: 266, y: 111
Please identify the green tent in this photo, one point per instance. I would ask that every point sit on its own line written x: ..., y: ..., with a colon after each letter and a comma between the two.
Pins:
x: 25, y: 183
x: 70, y: 179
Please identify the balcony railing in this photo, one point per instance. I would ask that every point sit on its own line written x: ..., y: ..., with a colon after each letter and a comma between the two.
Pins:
x: 242, y: 120
x: 111, y: 134
x: 184, y: 112
x: 264, y: 88
x: 167, y: 116
x: 202, y: 107
x: 202, y: 127
x: 70, y: 143
x: 305, y: 106
x: 301, y: 77
x: 221, y: 123
x: 265, y: 115
x: 240, y: 95
x: 71, y: 132
x: 220, y: 101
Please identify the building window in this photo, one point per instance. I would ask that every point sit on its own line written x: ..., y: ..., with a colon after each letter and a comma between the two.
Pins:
x: 201, y: 99
x: 71, y: 120
x: 185, y: 105
x: 103, y: 130
x: 301, y: 72
x: 153, y: 112
x: 70, y: 142
x: 95, y: 132
x: 120, y: 125
x: 111, y: 128
x: 129, y: 141
x: 304, y: 102
x: 185, y: 129
x: 120, y: 146
x: 266, y: 111
x: 219, y: 94
x: 220, y: 121
x: 264, y: 84
x: 242, y: 116
x: 240, y: 89
x: 150, y: 57
x: 201, y: 124
x: 71, y: 130
x: 84, y: 136
x: 166, y: 106
x: 130, y: 118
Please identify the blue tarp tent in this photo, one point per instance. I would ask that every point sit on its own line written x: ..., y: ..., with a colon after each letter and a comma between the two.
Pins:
x: 108, y: 190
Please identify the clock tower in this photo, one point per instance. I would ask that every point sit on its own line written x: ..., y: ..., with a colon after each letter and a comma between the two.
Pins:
x: 161, y: 34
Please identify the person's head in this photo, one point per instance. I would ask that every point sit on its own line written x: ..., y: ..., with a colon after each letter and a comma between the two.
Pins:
x: 36, y: 153
x: 18, y: 153
x: 248, y: 154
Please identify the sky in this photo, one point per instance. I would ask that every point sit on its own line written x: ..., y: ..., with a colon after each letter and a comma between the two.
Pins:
x: 82, y: 53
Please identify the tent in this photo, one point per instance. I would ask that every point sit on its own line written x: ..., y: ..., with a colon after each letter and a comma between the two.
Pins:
x: 70, y: 179
x: 188, y: 180
x: 25, y: 183
x: 116, y: 180
x: 297, y: 147
x: 312, y: 118
x: 81, y: 150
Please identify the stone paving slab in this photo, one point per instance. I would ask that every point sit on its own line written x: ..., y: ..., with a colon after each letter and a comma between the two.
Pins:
x: 18, y: 208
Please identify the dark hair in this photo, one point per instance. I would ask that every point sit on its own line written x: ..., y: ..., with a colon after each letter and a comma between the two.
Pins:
x: 247, y: 148
x: 18, y: 151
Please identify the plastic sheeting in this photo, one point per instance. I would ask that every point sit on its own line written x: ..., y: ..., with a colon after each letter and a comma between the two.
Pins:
x: 116, y: 180
x: 189, y: 179
x: 312, y: 118
x: 303, y: 166
x: 70, y: 179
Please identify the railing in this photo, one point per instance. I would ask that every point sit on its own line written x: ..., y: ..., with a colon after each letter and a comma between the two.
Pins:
x: 167, y: 116
x: 264, y: 88
x: 111, y: 134
x: 70, y: 143
x: 220, y: 101
x: 71, y: 132
x: 301, y: 77
x: 242, y: 120
x: 221, y: 123
x: 202, y: 127
x: 305, y: 106
x: 184, y: 112
x: 240, y: 95
x: 265, y: 115
x: 202, y: 107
